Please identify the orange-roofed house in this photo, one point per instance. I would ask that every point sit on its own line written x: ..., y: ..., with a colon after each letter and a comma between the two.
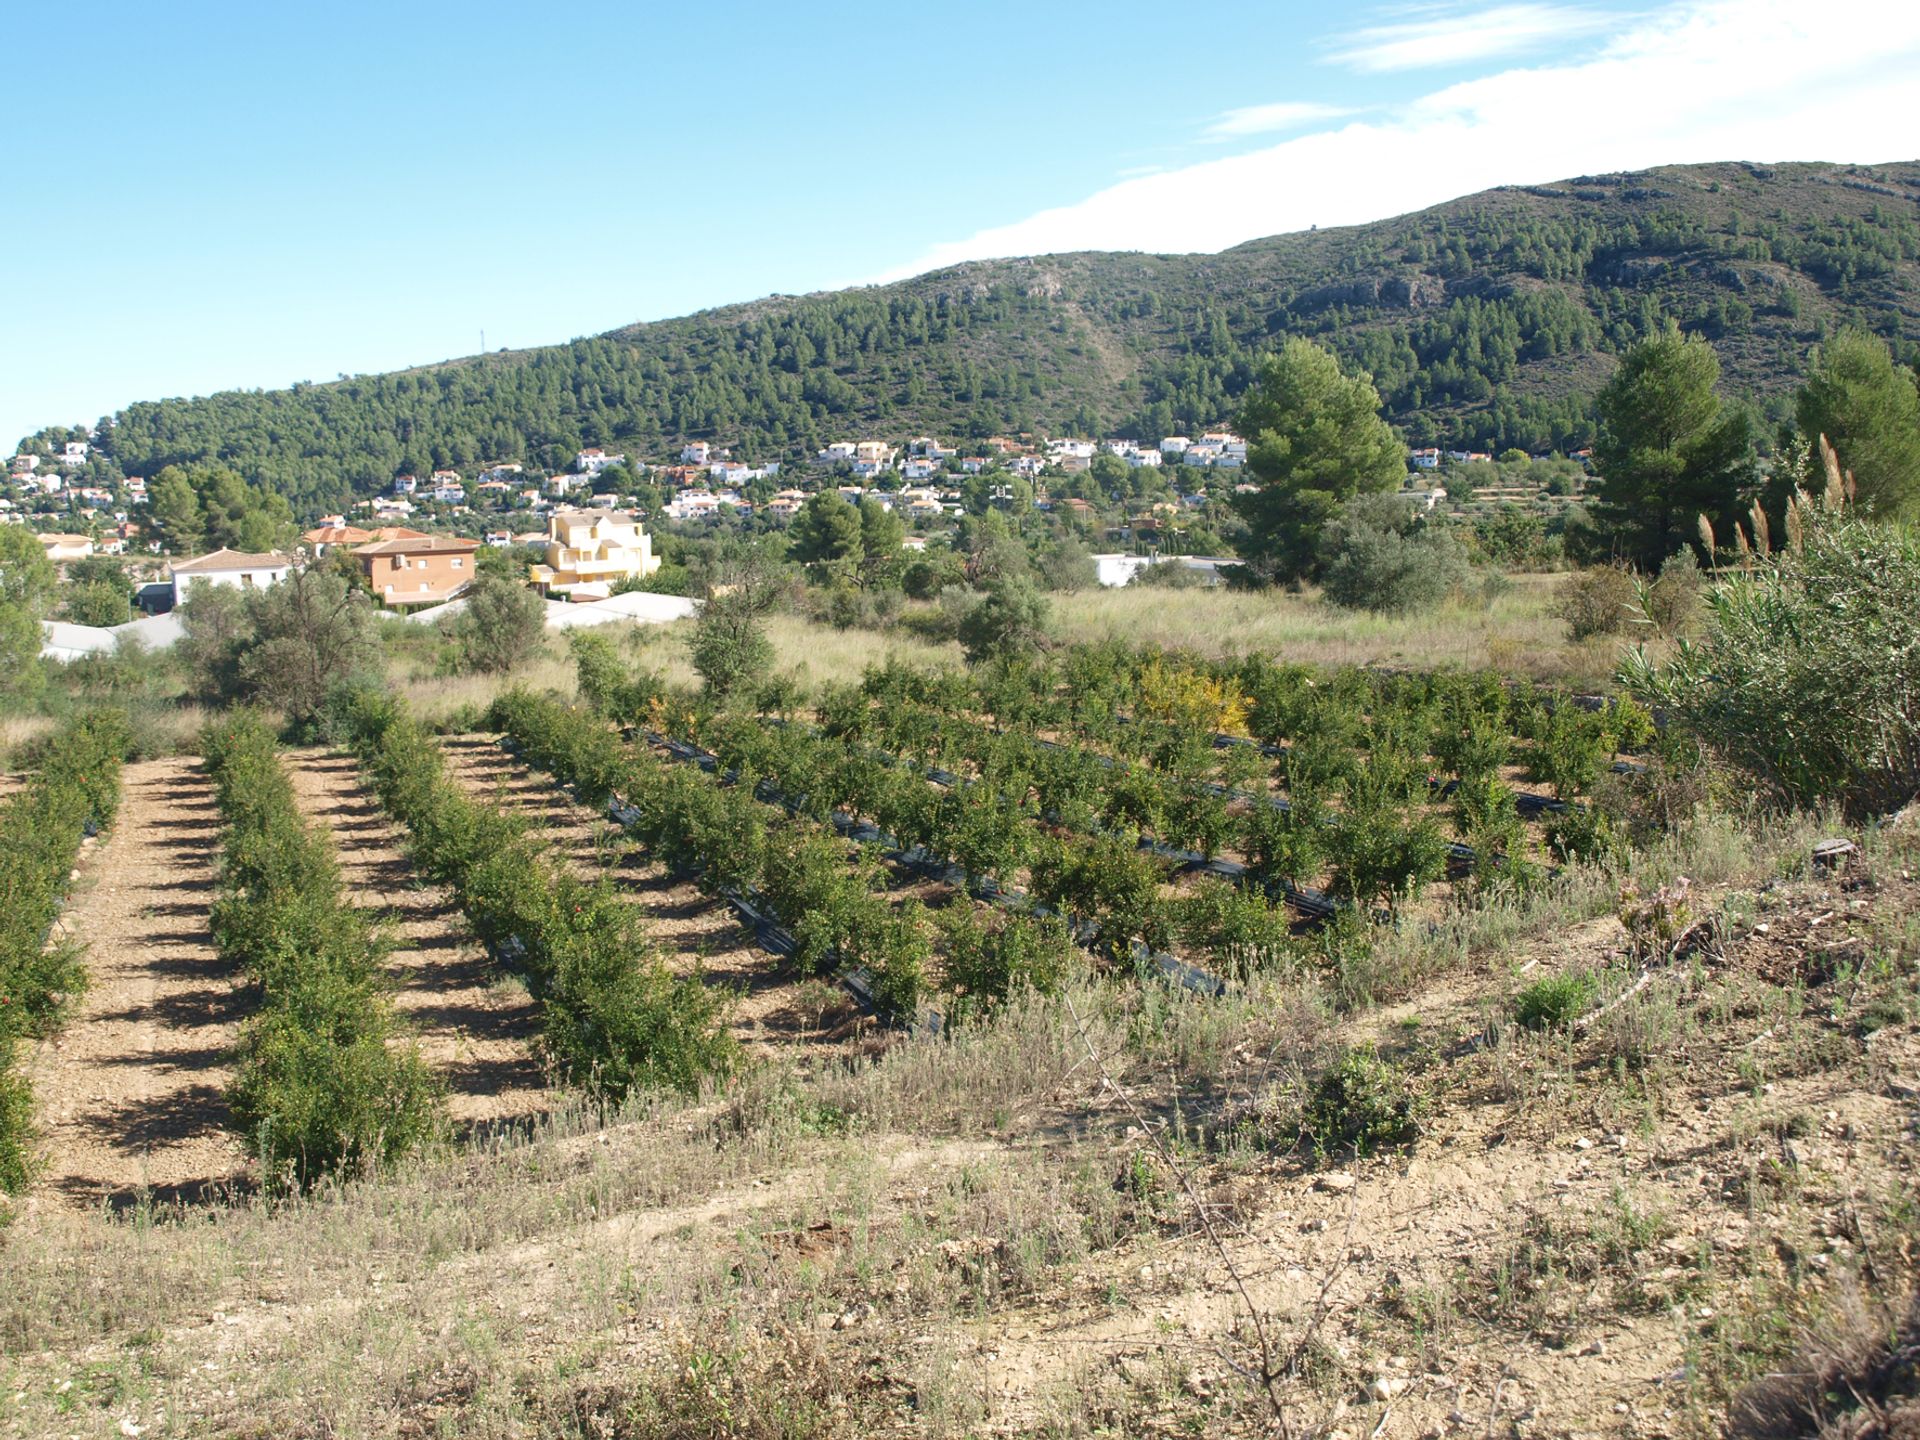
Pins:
x: 324, y: 537
x: 417, y: 569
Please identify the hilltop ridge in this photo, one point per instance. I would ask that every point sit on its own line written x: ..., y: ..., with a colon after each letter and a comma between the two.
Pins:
x: 1489, y: 320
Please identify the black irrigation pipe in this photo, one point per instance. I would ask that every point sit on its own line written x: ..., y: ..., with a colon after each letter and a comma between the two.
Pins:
x: 769, y: 933
x: 1315, y: 906
x: 920, y: 861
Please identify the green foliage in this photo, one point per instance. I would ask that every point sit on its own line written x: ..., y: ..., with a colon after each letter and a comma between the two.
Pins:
x: 1599, y: 601
x: 1234, y: 928
x: 208, y: 505
x: 826, y: 531
x: 16, y: 1129
x: 990, y: 959
x: 1555, y: 1001
x: 99, y: 602
x: 1315, y: 440
x: 1807, y: 670
x: 23, y: 675
x: 1869, y: 411
x: 27, y: 576
x: 503, y: 623
x: 729, y: 646
x: 1009, y: 624
x: 41, y: 827
x: 615, y: 1020
x: 1373, y: 556
x: 286, y: 646
x: 322, y: 1083
x: 608, y: 685
x: 1470, y: 316
x: 1668, y: 451
x: 1361, y: 1106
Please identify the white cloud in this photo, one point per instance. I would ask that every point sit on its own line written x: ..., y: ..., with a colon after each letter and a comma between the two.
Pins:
x: 1762, y: 80
x: 1463, y: 37
x: 1265, y: 119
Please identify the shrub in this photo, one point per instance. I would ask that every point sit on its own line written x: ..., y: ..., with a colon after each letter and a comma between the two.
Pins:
x: 41, y: 827
x: 16, y: 1129
x: 1375, y: 561
x: 729, y: 645
x: 1599, y: 601
x: 502, y: 625
x: 1361, y: 1105
x: 1807, y: 673
x: 321, y: 1084
x: 988, y: 960
x: 99, y: 602
x: 1106, y: 881
x: 615, y: 1019
x: 1672, y: 601
x: 1554, y: 1002
x: 1222, y: 922
x: 1009, y: 624
x: 1382, y: 845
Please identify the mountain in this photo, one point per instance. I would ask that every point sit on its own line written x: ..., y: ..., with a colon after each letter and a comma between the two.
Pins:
x: 1491, y: 319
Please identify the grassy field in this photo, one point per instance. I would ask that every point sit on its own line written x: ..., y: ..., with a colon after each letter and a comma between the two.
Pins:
x: 1516, y: 633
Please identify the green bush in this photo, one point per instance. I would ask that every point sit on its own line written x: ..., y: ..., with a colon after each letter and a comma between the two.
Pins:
x: 503, y: 623
x: 1376, y: 558
x: 1381, y: 844
x: 1236, y: 928
x: 41, y: 828
x: 614, y: 1018
x: 1600, y: 601
x: 1555, y: 1001
x: 16, y: 1128
x: 992, y: 959
x: 323, y: 1081
x: 1361, y: 1106
x: 1807, y: 671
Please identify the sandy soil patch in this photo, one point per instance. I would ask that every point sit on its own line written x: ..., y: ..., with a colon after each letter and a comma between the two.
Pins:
x: 132, y: 1090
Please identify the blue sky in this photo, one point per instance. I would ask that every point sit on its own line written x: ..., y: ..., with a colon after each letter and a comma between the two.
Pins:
x: 207, y: 196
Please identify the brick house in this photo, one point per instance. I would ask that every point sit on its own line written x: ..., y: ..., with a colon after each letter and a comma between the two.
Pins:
x: 418, y: 571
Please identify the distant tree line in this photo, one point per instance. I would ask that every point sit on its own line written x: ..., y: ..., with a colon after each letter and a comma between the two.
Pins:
x: 1474, y: 321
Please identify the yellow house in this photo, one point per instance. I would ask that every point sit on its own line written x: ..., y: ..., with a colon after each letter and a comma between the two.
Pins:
x: 591, y: 551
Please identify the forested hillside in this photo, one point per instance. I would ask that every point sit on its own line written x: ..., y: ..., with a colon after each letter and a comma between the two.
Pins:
x: 1490, y: 319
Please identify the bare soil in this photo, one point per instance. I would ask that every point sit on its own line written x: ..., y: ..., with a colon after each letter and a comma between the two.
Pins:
x: 772, y: 1013
x: 476, y: 1027
x: 131, y: 1091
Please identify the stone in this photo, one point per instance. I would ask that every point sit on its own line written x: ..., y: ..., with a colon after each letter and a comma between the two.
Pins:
x: 1336, y: 1182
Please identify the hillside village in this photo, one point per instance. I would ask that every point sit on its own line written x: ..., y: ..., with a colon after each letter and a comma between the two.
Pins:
x: 582, y: 534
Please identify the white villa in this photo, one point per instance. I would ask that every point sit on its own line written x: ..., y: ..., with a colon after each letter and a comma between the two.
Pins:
x: 230, y: 567
x: 590, y: 551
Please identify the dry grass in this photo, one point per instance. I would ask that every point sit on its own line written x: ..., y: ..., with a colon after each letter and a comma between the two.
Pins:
x: 437, y: 697
x: 19, y: 731
x: 807, y: 651
x: 1516, y: 633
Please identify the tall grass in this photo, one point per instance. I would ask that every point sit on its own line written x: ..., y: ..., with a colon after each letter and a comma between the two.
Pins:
x: 1516, y: 632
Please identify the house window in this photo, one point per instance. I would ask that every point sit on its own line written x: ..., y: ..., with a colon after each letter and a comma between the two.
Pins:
x: 459, y: 562
x: 246, y: 579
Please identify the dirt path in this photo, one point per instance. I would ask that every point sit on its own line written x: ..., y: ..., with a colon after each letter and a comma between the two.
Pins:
x: 772, y: 1013
x: 476, y: 1029
x: 131, y: 1091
